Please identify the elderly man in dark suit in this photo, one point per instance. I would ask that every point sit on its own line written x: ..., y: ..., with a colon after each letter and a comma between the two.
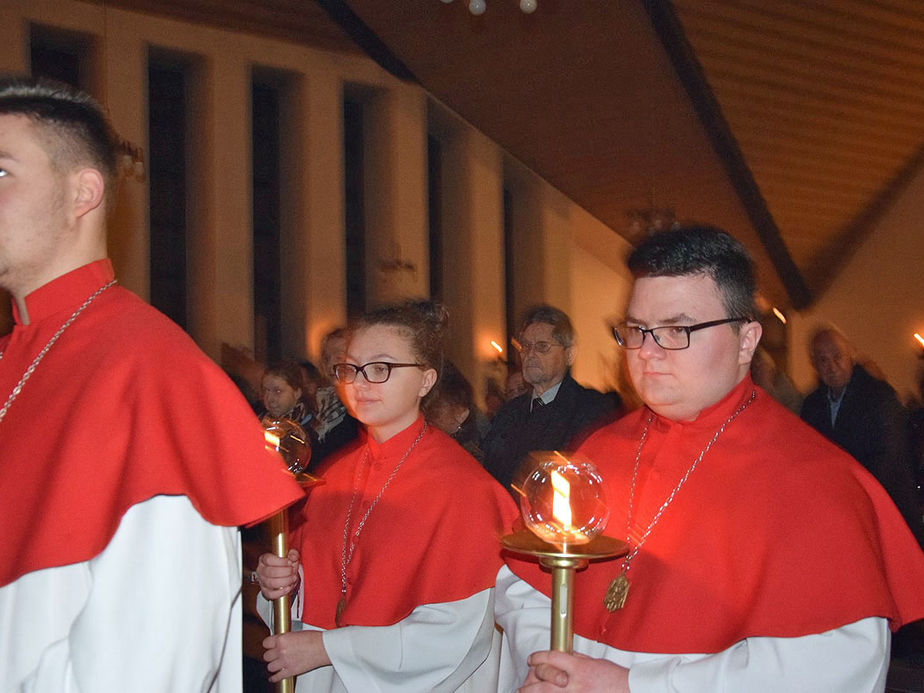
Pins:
x: 862, y: 414
x: 556, y: 413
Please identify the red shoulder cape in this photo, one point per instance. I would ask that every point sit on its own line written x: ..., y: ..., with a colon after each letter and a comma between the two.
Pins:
x: 433, y: 537
x: 776, y: 533
x: 122, y: 408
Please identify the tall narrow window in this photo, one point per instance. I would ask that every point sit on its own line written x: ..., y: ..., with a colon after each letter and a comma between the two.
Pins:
x: 267, y: 286
x: 167, y: 114
x: 355, y: 209
x: 435, y: 215
x: 59, y: 55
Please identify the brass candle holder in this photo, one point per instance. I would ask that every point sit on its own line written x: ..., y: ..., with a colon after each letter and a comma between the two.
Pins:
x: 563, y: 560
x: 288, y: 439
x: 564, y: 509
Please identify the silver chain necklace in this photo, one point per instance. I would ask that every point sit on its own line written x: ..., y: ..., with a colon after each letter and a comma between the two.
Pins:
x: 54, y: 338
x: 618, y: 590
x: 346, y: 556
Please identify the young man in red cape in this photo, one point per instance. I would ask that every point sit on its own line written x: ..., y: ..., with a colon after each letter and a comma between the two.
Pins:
x: 761, y: 556
x: 127, y: 458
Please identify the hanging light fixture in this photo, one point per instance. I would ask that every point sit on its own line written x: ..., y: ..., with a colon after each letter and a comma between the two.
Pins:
x: 478, y: 7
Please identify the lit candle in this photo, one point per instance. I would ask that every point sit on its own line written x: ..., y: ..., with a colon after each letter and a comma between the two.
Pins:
x: 564, y: 510
x: 561, y: 500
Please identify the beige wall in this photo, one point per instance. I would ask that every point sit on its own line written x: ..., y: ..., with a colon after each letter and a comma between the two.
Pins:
x: 220, y: 248
x: 600, y: 285
x: 548, y: 266
x: 473, y: 246
x: 878, y: 299
x: 602, y: 291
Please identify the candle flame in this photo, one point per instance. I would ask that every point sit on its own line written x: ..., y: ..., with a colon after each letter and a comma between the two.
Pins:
x: 561, y: 500
x: 500, y: 349
x: 920, y: 339
x: 779, y: 314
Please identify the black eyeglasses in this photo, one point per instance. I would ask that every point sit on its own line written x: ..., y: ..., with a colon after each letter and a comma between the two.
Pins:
x: 373, y: 372
x: 672, y: 337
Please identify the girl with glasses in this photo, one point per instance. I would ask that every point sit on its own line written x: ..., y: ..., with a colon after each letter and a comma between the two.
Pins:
x: 394, y: 556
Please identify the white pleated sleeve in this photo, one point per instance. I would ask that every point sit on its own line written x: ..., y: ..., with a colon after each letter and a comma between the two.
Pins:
x: 158, y: 610
x: 451, y: 646
x: 851, y: 659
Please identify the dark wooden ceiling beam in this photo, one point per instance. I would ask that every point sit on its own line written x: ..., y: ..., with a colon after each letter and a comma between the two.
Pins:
x: 365, y: 38
x: 678, y: 49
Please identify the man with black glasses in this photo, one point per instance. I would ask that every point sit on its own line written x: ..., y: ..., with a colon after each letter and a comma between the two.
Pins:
x: 556, y: 412
x: 761, y: 556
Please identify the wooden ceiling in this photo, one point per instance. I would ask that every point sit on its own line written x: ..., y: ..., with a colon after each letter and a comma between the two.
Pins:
x: 791, y: 123
x: 826, y: 101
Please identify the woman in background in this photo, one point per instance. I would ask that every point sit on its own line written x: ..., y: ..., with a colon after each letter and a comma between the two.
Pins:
x: 283, y: 395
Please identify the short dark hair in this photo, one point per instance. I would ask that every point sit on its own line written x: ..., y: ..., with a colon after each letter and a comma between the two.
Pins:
x: 71, y: 123
x: 701, y: 250
x: 562, y: 329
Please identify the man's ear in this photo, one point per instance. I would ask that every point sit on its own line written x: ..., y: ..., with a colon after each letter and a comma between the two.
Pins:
x: 748, y: 339
x: 570, y: 353
x: 89, y: 191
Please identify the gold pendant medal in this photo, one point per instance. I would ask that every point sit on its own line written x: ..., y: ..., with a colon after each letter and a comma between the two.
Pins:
x: 616, y: 593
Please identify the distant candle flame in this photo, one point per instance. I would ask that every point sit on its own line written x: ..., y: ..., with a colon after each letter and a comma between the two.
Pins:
x: 561, y: 500
x: 920, y: 339
x: 500, y: 349
x: 779, y: 314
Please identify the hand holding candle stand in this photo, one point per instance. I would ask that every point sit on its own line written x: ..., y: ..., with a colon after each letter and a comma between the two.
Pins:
x: 565, y: 510
x: 288, y: 439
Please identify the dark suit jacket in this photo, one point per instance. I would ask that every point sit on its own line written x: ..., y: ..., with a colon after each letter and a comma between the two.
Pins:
x: 562, y: 424
x: 872, y: 425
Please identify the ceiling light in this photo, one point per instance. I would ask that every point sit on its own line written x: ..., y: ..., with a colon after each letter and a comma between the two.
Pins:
x: 478, y: 7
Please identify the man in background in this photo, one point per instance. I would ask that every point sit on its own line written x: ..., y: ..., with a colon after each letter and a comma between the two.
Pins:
x: 555, y: 412
x: 863, y: 415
